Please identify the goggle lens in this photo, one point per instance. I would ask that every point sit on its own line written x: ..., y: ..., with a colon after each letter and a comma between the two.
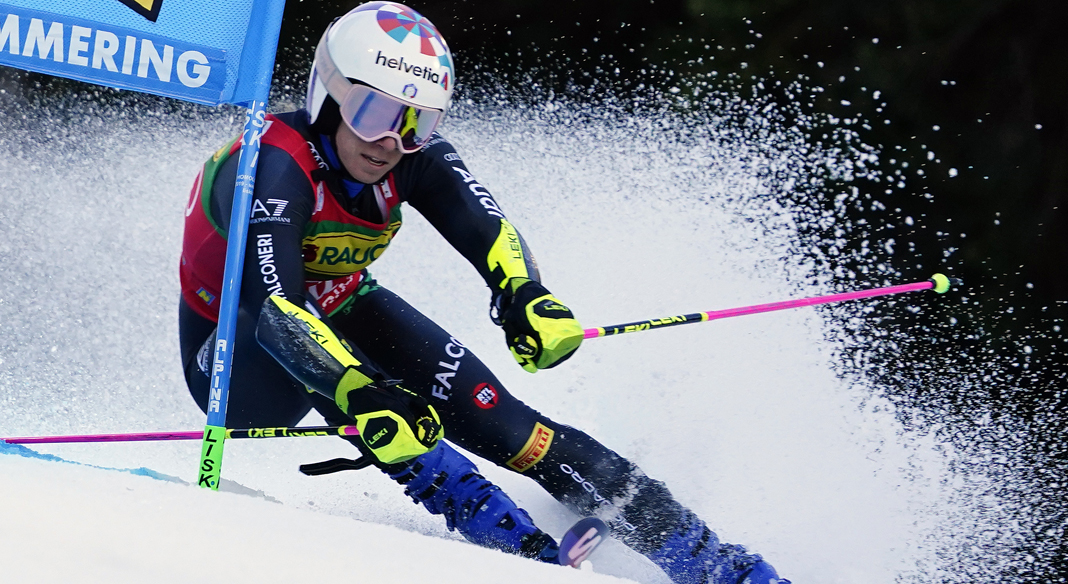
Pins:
x: 373, y: 115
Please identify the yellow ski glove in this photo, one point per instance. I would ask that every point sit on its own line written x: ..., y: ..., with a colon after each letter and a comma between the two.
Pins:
x: 395, y: 424
x: 540, y: 331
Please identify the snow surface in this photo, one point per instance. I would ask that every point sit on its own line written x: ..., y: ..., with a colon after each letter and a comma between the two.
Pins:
x: 99, y: 525
x: 744, y: 419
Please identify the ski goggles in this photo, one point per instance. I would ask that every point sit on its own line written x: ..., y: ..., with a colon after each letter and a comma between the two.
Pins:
x: 373, y: 114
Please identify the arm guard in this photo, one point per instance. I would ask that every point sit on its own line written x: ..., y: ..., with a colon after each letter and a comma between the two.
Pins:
x: 394, y: 423
x: 509, y: 258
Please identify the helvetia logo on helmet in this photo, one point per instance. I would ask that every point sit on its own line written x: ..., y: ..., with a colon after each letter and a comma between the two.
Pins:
x: 402, y: 24
x: 147, y: 8
x: 401, y: 65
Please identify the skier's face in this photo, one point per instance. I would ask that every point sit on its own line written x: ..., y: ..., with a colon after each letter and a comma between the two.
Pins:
x: 367, y: 162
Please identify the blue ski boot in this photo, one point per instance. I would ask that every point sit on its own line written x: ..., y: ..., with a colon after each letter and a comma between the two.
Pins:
x: 448, y: 484
x: 694, y: 555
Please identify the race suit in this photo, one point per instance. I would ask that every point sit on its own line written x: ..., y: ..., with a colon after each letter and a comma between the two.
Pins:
x: 313, y: 231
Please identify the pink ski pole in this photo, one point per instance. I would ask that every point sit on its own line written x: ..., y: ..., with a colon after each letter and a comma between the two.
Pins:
x: 939, y: 283
x: 282, y: 432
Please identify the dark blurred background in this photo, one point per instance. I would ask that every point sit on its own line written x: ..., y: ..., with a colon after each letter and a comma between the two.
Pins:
x: 992, y: 75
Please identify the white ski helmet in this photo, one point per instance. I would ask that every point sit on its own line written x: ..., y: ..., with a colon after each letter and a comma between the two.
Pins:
x: 402, y: 70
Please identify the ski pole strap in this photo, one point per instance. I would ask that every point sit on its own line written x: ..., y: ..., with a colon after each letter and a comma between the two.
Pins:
x: 278, y: 432
x: 939, y: 283
x: 335, y: 465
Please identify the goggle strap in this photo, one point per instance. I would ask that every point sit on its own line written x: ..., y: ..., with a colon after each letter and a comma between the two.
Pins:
x: 336, y: 84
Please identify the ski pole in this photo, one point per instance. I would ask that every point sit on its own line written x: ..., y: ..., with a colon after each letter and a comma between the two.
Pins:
x: 280, y: 432
x: 939, y: 283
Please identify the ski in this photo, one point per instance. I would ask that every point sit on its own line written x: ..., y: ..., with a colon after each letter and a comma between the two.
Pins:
x: 580, y: 541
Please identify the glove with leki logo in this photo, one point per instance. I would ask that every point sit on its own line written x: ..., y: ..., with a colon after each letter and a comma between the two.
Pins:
x: 540, y: 331
x: 395, y: 424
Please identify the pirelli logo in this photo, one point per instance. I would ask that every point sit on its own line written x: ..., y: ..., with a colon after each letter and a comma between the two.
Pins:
x: 534, y: 450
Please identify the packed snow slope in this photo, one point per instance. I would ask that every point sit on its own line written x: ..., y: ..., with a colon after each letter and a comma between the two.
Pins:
x: 744, y: 419
x: 105, y: 526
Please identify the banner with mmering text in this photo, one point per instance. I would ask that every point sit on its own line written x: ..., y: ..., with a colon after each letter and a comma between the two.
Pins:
x: 204, y: 51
